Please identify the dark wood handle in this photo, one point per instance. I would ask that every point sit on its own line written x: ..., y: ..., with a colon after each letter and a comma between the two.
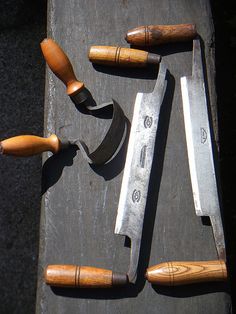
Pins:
x: 183, y: 273
x: 61, y: 66
x: 108, y: 55
x: 160, y: 34
x: 72, y: 276
x: 29, y: 145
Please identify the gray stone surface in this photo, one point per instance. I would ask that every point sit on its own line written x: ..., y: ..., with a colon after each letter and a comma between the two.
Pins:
x: 22, y: 75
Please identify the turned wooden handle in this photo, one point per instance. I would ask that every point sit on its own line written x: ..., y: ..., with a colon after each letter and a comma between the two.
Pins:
x: 61, y: 66
x: 108, y: 55
x: 73, y: 276
x: 28, y: 145
x: 160, y: 34
x: 183, y: 273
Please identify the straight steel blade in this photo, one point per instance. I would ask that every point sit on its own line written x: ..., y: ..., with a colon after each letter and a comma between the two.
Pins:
x: 199, y: 146
x: 134, y: 188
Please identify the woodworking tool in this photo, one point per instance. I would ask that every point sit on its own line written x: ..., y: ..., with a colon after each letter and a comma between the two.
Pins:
x: 204, y: 183
x: 61, y: 66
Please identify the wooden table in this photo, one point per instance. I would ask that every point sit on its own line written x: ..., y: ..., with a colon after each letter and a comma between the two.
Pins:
x: 79, y: 205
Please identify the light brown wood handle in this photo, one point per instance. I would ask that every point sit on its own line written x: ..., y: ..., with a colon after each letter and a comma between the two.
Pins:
x: 183, y: 273
x: 108, y: 55
x: 72, y: 276
x: 29, y: 145
x: 61, y: 66
x: 160, y: 34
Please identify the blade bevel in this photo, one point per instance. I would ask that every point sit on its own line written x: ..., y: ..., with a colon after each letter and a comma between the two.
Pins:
x: 134, y: 187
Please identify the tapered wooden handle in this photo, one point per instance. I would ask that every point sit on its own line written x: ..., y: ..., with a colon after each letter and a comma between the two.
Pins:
x: 72, y: 276
x: 61, y: 66
x: 183, y: 273
x: 160, y: 34
x: 29, y: 145
x: 108, y: 55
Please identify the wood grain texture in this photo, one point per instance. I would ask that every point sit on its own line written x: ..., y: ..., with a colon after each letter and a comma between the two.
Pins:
x: 61, y: 66
x: 29, y: 145
x: 152, y: 35
x: 183, y: 273
x: 127, y: 57
x: 79, y: 209
x: 73, y: 276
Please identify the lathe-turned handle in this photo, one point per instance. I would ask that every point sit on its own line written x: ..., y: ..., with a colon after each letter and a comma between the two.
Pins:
x: 29, y: 145
x: 183, y: 273
x: 72, y: 276
x: 108, y: 55
x: 160, y: 34
x: 61, y: 66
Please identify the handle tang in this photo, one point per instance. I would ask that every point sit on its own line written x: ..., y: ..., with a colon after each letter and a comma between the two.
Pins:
x: 108, y: 55
x: 61, y: 66
x: 29, y: 145
x: 160, y: 34
x: 72, y: 276
x: 183, y: 273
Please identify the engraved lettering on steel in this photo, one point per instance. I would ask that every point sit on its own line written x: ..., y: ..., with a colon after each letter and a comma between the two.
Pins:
x: 148, y: 122
x: 136, y: 195
x: 143, y: 156
x: 203, y: 135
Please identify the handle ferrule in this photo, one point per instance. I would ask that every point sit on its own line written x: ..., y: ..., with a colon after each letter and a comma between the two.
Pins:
x: 127, y: 57
x: 72, y: 276
x: 183, y: 273
x: 160, y: 34
x: 61, y: 66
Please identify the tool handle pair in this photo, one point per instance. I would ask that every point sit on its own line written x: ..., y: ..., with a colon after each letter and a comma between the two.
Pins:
x: 142, y: 36
x: 167, y: 274
x: 29, y: 145
x: 61, y: 66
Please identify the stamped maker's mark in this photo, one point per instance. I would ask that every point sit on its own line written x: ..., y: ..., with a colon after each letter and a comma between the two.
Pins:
x: 136, y: 195
x: 148, y: 122
x: 203, y: 135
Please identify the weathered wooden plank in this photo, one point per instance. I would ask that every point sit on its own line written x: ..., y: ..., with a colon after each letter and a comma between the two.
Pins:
x: 79, y: 210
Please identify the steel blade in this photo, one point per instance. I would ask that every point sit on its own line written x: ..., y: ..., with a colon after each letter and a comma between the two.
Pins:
x: 134, y: 187
x: 199, y: 147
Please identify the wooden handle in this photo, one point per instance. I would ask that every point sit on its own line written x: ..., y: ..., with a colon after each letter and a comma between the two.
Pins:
x: 183, y: 273
x: 72, y: 276
x: 28, y: 145
x: 60, y: 65
x: 108, y: 55
x: 160, y: 34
